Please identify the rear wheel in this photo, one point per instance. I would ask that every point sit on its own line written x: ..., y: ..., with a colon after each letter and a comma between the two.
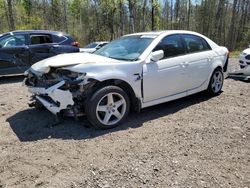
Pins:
x: 108, y: 107
x: 216, y: 82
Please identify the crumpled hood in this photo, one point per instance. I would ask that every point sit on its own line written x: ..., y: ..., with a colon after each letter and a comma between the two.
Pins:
x: 69, y: 59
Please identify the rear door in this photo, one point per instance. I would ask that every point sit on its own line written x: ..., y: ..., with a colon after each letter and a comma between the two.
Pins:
x: 14, y: 54
x: 198, y: 61
x: 41, y: 47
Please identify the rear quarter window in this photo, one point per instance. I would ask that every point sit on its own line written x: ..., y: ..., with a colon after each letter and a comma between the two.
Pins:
x: 59, y: 38
x: 195, y: 43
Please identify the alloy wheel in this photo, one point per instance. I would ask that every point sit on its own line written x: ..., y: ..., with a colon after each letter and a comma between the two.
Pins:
x: 217, y: 81
x: 111, y: 108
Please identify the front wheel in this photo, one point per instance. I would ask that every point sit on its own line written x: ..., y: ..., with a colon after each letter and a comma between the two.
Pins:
x: 216, y: 82
x: 108, y: 107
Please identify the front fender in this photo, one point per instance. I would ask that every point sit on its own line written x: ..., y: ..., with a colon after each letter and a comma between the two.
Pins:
x: 127, y: 72
x: 131, y: 79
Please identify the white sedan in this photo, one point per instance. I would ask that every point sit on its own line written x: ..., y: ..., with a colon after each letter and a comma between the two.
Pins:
x: 132, y: 72
x: 245, y: 58
x: 244, y: 72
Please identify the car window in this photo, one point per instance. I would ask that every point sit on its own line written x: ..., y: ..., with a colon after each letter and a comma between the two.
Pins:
x: 127, y: 48
x: 171, y: 45
x: 12, y: 41
x: 59, y: 38
x: 195, y: 43
x: 91, y: 45
x: 101, y: 45
x: 40, y: 39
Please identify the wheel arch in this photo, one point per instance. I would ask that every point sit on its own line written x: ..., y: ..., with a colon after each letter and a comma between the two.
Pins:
x: 135, y: 101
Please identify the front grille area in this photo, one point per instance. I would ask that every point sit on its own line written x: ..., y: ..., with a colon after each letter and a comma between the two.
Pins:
x: 248, y: 57
x: 241, y: 62
x: 34, y: 81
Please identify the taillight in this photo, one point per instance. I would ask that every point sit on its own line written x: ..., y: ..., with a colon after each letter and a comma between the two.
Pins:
x: 76, y: 44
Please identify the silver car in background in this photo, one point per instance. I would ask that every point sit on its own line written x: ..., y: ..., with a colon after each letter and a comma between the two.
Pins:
x: 92, y: 47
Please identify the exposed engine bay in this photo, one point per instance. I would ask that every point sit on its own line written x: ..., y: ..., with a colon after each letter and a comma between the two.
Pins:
x: 60, y: 90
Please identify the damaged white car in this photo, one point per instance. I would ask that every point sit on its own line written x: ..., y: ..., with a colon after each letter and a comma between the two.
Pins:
x: 132, y: 72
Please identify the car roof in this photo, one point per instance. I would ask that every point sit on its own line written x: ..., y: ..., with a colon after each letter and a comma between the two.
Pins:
x: 36, y: 31
x: 165, y: 32
x: 101, y: 42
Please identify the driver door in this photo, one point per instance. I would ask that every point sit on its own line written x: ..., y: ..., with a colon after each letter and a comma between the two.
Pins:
x: 165, y: 77
x: 14, y: 54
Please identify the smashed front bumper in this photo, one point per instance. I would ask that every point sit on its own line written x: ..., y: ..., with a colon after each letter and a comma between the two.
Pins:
x: 53, y: 98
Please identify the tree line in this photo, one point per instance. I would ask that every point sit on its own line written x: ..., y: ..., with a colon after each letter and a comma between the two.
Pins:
x: 227, y: 22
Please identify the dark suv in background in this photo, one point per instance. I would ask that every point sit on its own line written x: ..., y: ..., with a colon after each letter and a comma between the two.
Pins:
x: 20, y: 49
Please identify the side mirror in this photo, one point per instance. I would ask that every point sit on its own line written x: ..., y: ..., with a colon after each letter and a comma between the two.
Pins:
x: 157, y: 55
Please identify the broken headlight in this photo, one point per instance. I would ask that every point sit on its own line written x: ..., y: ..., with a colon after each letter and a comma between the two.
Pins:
x: 70, y: 75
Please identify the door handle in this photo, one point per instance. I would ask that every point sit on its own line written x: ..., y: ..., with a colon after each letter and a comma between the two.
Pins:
x: 184, y: 64
x: 24, y: 49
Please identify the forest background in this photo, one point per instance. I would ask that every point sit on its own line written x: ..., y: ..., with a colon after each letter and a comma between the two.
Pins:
x: 227, y: 22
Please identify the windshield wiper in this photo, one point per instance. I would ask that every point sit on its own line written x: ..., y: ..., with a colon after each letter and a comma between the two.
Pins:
x: 119, y: 58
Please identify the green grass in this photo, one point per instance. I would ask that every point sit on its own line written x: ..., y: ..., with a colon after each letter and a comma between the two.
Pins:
x: 235, y: 54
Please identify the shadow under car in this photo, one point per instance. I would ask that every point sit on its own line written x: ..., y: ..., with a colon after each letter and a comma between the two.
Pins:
x: 33, y: 125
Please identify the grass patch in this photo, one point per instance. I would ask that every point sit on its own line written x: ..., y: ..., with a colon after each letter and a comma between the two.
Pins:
x: 235, y: 54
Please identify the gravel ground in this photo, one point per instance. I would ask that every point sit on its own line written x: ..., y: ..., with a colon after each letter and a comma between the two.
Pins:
x: 196, y: 141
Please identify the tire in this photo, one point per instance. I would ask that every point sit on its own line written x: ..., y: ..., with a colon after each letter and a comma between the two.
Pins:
x: 216, y: 82
x: 108, y: 107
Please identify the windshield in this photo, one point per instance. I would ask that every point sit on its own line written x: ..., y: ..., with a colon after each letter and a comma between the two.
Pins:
x: 127, y: 48
x: 91, y: 45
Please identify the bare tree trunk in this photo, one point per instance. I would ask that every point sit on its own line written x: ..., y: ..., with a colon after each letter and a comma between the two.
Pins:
x: 231, y: 34
x: 189, y: 12
x: 219, y: 20
x: 153, y: 15
x: 177, y: 9
x: 224, y: 24
x: 121, y: 18
x: 131, y: 5
x: 171, y: 12
x: 10, y: 15
x: 242, y: 21
x: 143, y: 15
x: 44, y: 14
x: 7, y: 15
x: 111, y: 23
x: 164, y: 18
x: 65, y: 23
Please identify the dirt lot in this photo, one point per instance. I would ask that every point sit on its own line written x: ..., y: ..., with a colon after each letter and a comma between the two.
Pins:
x: 192, y: 142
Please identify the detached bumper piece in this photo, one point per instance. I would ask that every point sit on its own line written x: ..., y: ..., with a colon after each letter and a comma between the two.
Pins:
x: 53, y: 98
x: 242, y: 74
